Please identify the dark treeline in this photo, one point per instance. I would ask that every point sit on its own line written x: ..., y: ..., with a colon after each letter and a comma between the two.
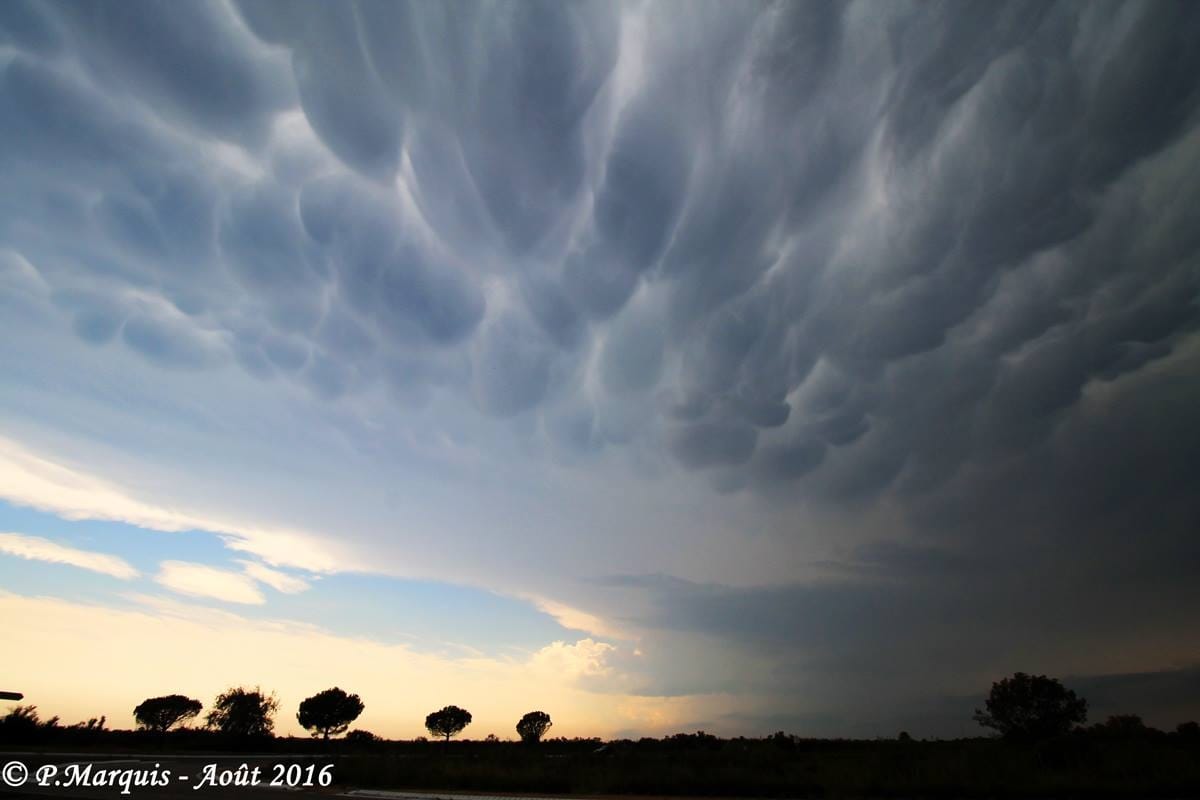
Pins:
x: 241, y: 717
x: 1040, y: 745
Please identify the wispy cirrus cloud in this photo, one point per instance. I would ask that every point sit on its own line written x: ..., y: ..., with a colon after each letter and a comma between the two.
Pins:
x: 35, y: 548
x: 277, y: 580
x: 30, y: 479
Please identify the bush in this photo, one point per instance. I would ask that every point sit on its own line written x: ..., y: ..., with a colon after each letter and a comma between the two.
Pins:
x: 533, y: 726
x: 243, y: 713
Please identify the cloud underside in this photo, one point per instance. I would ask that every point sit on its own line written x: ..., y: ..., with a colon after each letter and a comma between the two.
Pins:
x: 915, y: 289
x: 754, y: 259
x: 811, y: 258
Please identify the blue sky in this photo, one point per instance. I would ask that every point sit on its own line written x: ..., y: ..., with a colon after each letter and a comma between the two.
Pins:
x: 705, y: 365
x: 425, y: 615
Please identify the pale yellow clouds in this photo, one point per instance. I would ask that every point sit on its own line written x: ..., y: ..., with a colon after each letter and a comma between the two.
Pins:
x: 201, y: 580
x: 36, y: 548
x: 279, y: 581
x: 80, y: 661
x: 575, y: 619
x: 586, y: 658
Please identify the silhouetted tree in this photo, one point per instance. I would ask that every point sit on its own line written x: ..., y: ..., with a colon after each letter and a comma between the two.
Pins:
x: 160, y: 713
x: 1031, y: 706
x: 359, y: 736
x: 533, y: 726
x: 1122, y: 726
x: 241, y: 712
x: 329, y: 712
x: 697, y: 740
x: 93, y: 725
x: 1188, y: 729
x: 22, y: 723
x: 447, y: 722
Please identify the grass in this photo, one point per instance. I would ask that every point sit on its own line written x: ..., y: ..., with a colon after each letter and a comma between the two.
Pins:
x: 1077, y: 765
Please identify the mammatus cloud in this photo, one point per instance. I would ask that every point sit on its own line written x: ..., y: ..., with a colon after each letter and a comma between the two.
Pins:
x: 201, y: 580
x: 913, y: 288
x: 35, y: 548
x: 756, y: 254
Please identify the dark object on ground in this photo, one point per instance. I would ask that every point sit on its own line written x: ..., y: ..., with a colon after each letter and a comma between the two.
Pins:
x: 533, y: 726
x: 1079, y: 764
x: 1032, y: 707
x: 449, y: 721
x: 243, y: 713
x: 162, y: 713
x: 329, y: 712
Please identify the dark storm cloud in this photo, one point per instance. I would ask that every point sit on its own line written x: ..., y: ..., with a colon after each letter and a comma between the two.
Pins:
x: 707, y: 443
x: 634, y: 211
x: 537, y: 78
x: 169, y: 341
x: 193, y: 59
x: 96, y: 318
x: 901, y: 618
x: 382, y: 272
x: 25, y: 24
x: 890, y: 197
x: 507, y: 84
x: 261, y: 238
x: 633, y: 354
x: 551, y: 308
x: 936, y: 261
x: 1165, y: 698
x: 514, y: 367
x: 50, y: 116
x: 1162, y: 698
x: 363, y: 127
